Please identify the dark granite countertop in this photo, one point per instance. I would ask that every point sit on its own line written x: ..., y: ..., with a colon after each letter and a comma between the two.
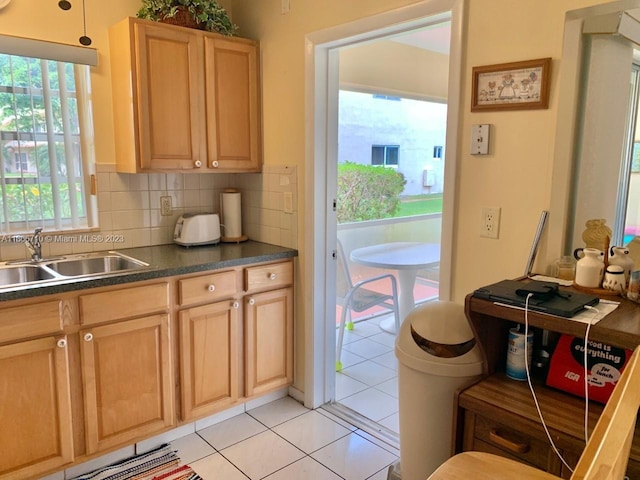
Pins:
x: 164, y: 261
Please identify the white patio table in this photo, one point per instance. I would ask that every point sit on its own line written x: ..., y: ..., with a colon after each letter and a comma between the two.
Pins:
x: 407, y: 258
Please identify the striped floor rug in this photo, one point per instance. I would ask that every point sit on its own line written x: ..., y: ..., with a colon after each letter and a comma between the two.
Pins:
x: 161, y: 463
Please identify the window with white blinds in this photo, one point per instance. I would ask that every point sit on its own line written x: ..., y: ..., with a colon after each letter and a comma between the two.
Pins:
x: 45, y: 139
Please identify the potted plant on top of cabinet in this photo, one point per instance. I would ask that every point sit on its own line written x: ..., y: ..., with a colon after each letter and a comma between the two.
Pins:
x: 202, y: 14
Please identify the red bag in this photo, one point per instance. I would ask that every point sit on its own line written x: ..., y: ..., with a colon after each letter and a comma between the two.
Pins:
x: 605, y: 364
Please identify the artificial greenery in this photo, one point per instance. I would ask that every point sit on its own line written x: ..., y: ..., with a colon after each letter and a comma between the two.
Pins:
x: 209, y: 13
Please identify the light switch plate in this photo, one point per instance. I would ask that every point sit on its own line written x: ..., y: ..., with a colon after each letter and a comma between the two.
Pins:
x: 480, y: 139
x: 288, y: 202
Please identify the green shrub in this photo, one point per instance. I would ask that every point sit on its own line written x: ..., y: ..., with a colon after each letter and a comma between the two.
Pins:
x: 367, y: 192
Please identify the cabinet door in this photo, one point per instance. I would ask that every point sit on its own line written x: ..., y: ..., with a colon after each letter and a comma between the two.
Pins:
x: 126, y: 370
x: 233, y: 105
x: 35, y: 408
x: 268, y: 341
x: 170, y: 89
x: 208, y: 358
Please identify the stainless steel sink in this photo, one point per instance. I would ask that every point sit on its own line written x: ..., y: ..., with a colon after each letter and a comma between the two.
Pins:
x: 22, y: 274
x: 95, y: 264
x: 90, y: 265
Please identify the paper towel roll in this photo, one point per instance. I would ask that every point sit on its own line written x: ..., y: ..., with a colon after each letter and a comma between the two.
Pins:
x: 230, y: 204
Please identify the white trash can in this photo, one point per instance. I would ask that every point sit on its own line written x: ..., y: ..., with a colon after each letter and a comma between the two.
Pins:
x: 437, y: 354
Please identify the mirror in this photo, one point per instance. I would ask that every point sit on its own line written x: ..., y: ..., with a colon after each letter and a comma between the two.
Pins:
x: 594, y: 139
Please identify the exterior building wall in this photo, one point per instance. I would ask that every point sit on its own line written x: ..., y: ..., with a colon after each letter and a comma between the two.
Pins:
x: 416, y: 126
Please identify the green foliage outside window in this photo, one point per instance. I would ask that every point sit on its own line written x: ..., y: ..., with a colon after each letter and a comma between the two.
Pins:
x: 367, y: 192
x: 36, y: 201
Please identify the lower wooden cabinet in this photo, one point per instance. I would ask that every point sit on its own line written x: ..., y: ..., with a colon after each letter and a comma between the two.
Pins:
x: 209, y: 357
x: 268, y: 339
x: 35, y: 408
x: 498, y: 416
x: 127, y: 381
x: 90, y: 371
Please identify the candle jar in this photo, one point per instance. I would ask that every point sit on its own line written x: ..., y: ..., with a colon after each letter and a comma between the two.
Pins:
x: 564, y: 268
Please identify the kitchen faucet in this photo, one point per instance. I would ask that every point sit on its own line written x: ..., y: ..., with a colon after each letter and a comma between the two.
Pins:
x: 34, y: 245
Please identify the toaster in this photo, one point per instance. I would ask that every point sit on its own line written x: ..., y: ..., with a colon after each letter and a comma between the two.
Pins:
x: 197, y: 229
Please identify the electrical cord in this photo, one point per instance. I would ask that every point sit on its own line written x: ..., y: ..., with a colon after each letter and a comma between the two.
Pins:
x: 533, y: 393
x: 586, y: 373
x: 586, y: 379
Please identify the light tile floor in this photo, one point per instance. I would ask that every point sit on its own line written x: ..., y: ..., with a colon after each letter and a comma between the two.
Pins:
x: 279, y: 440
x: 368, y: 382
x: 283, y: 440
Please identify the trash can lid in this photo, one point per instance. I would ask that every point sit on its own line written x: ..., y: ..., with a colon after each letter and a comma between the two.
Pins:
x: 441, y: 329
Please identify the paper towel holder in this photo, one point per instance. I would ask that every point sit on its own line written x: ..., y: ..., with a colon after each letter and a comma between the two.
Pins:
x: 225, y: 238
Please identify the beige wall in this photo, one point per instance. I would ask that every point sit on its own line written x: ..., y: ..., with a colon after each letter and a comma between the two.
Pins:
x: 517, y: 174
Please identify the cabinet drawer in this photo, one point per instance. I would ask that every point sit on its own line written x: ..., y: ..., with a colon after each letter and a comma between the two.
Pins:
x: 124, y: 303
x: 31, y: 320
x: 267, y: 277
x: 513, y: 442
x: 212, y: 287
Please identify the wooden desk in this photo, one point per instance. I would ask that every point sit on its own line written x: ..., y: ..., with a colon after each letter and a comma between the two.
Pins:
x: 498, y: 414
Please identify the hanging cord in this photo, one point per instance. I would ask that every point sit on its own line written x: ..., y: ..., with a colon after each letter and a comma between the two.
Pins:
x: 533, y: 393
x: 586, y: 373
x: 84, y: 40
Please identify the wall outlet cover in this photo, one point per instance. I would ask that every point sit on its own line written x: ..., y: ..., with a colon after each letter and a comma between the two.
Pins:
x: 490, y: 222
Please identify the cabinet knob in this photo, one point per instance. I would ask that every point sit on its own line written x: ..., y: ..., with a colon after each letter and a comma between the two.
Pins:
x: 88, y: 337
x: 215, y: 164
x: 211, y: 288
x: 252, y: 301
x: 272, y: 276
x: 62, y: 343
x: 236, y: 305
x: 197, y: 163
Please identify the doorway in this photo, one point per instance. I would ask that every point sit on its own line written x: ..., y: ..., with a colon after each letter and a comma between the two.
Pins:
x: 322, y: 80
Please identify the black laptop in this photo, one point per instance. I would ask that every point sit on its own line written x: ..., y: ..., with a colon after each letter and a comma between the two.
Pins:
x: 551, y: 299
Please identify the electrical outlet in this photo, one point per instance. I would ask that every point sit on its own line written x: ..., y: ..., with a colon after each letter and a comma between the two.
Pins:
x: 165, y: 206
x: 490, y: 225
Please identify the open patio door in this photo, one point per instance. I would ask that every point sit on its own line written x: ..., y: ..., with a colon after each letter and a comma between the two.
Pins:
x: 323, y: 86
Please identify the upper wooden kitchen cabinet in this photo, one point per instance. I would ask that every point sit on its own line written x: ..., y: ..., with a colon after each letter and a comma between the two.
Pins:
x: 184, y: 100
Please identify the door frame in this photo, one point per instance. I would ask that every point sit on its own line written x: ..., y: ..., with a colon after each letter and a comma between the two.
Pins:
x: 321, y: 78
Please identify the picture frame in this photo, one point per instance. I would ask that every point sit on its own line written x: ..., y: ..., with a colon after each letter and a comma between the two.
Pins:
x: 511, y: 86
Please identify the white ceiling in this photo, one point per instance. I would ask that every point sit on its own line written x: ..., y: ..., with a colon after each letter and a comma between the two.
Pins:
x: 435, y: 38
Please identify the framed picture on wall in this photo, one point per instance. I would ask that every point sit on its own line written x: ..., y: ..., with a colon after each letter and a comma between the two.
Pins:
x: 511, y: 86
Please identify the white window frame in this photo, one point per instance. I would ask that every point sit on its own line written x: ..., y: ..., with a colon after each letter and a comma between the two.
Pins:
x: 82, y: 214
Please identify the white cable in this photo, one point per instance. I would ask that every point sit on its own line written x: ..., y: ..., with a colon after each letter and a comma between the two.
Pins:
x: 533, y: 393
x: 586, y: 373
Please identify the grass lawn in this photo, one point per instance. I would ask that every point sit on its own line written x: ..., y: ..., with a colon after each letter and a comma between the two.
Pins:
x: 420, y: 205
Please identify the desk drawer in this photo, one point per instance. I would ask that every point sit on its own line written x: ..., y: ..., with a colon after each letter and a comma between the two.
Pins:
x: 268, y: 277
x: 206, y: 288
x: 516, y: 444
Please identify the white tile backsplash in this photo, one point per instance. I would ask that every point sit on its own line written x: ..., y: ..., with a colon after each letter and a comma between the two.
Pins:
x: 129, y: 205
